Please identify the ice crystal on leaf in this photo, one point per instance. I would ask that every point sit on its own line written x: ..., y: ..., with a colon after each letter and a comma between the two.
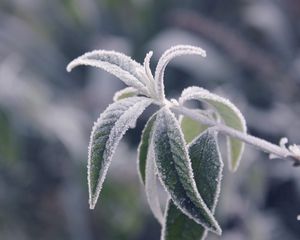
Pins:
x: 118, y: 64
x: 168, y: 55
x: 183, y: 154
x: 106, y: 134
x: 207, y: 167
x: 175, y: 170
x: 229, y: 113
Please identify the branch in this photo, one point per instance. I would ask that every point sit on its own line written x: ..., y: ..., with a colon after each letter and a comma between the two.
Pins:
x: 273, y: 149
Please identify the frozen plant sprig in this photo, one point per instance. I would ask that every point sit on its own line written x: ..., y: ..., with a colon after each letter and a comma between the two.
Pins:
x: 183, y: 153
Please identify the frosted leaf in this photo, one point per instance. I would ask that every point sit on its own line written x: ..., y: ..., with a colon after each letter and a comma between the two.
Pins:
x: 228, y: 112
x: 106, y: 134
x: 151, y: 186
x: 125, y: 93
x: 147, y: 65
x: 168, y: 55
x: 298, y: 218
x: 207, y: 167
x: 175, y: 170
x: 118, y: 64
x: 146, y: 169
x: 143, y: 148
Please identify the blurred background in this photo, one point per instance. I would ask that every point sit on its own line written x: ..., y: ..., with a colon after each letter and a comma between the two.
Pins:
x: 46, y: 114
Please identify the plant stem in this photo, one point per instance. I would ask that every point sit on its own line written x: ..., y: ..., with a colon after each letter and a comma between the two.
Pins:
x: 259, y: 143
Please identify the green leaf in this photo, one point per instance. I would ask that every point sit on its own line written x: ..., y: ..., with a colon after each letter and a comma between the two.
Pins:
x: 167, y: 56
x: 191, y: 128
x: 118, y: 64
x: 207, y: 167
x: 143, y: 148
x: 175, y: 172
x: 146, y: 169
x: 125, y: 93
x: 107, y: 133
x: 151, y: 186
x: 228, y: 112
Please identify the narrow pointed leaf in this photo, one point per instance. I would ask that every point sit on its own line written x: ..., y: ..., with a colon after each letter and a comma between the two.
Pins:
x: 151, y: 186
x: 147, y: 66
x: 107, y: 132
x: 143, y: 148
x: 207, y: 167
x: 228, y: 112
x: 175, y: 172
x: 118, y: 64
x: 125, y: 93
x: 146, y: 169
x: 168, y: 55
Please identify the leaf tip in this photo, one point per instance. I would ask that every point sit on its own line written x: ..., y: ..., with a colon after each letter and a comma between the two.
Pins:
x: 218, y: 230
x: 215, y: 228
x: 233, y: 169
x: 92, y: 204
x: 70, y: 66
x: 93, y: 198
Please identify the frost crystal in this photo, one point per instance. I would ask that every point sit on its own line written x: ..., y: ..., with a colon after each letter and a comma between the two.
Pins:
x: 118, y: 64
x: 228, y: 112
x: 295, y: 149
x: 151, y: 186
x: 175, y: 170
x: 168, y: 55
x: 106, y: 134
x: 282, y: 143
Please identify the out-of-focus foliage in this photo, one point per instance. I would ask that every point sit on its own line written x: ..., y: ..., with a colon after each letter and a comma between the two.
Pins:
x: 253, y: 58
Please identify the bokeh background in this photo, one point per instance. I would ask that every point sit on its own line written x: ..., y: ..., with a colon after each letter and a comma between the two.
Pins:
x: 46, y: 114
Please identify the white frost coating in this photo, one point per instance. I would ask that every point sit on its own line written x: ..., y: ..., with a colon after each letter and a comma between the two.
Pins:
x: 168, y: 55
x: 149, y: 76
x: 220, y: 175
x: 295, y: 149
x: 198, y: 93
x: 163, y: 229
x: 219, y: 180
x: 151, y: 185
x: 118, y: 64
x: 298, y: 218
x: 173, y: 123
x: 125, y: 91
x: 291, y: 150
x: 147, y: 65
x: 127, y: 119
x: 201, y: 94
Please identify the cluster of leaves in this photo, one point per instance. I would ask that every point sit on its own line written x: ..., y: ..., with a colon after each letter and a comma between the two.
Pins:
x: 182, y: 153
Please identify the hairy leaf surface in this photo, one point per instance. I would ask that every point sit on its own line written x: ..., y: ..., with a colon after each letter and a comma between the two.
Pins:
x: 151, y: 186
x: 207, y: 167
x: 147, y: 169
x: 174, y: 169
x: 118, y: 64
x: 230, y: 114
x: 106, y: 134
x: 143, y: 148
x: 168, y: 55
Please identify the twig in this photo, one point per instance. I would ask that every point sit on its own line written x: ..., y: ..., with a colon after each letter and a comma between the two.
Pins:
x: 259, y: 143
